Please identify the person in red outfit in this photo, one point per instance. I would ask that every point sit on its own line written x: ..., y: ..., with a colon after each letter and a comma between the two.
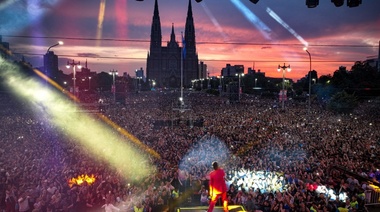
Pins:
x: 218, y: 187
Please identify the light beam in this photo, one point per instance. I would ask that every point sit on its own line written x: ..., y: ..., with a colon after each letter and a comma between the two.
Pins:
x: 286, y: 26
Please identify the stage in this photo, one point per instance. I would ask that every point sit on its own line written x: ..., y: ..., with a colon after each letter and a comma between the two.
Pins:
x: 231, y: 208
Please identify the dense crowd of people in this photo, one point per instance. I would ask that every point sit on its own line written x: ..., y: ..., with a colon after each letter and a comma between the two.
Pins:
x: 292, y: 160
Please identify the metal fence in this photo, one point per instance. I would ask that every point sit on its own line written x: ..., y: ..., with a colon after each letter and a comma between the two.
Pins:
x: 372, y: 197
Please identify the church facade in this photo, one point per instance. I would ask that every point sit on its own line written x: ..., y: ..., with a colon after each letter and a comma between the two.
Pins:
x: 167, y: 65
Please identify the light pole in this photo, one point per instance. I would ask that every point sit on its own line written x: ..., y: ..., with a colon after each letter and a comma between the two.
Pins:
x: 46, y: 58
x: 239, y: 75
x: 138, y: 84
x: 89, y: 83
x: 305, y: 48
x: 113, y: 73
x: 283, y: 68
x: 74, y: 64
x: 255, y: 82
x: 59, y: 43
x: 221, y: 85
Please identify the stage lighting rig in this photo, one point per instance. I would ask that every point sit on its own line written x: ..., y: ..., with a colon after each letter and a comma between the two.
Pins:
x: 312, y: 3
x: 338, y: 3
x: 198, y: 1
x: 254, y: 1
x: 353, y: 3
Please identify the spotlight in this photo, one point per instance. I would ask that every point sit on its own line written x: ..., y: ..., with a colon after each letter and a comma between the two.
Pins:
x: 353, y: 3
x: 338, y: 3
x: 198, y: 1
x: 312, y: 3
x: 254, y: 1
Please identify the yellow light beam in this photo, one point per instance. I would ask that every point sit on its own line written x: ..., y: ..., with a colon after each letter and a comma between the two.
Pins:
x: 102, y: 8
x: 91, y: 134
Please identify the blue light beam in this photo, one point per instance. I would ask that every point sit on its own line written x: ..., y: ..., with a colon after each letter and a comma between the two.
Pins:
x: 250, y: 16
x: 286, y: 26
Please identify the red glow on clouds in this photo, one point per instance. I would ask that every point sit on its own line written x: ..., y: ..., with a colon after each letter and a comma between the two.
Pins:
x: 226, y: 39
x: 121, y: 18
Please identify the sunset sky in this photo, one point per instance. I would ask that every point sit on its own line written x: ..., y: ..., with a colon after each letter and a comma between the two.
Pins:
x: 237, y: 32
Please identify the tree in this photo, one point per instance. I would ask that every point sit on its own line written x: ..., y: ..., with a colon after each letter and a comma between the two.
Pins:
x: 342, y: 102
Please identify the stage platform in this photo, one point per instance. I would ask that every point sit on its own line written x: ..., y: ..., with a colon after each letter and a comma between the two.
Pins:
x: 231, y: 208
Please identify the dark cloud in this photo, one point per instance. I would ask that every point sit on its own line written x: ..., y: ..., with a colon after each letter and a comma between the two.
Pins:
x: 88, y: 55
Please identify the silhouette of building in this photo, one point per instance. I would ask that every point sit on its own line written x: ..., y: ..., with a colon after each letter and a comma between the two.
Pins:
x: 51, y: 66
x: 165, y: 63
x: 202, y: 70
x: 231, y: 71
x: 84, y: 77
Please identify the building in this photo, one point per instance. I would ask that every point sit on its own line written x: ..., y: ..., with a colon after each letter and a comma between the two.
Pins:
x: 231, y: 71
x: 51, y: 66
x: 202, y: 71
x: 167, y: 65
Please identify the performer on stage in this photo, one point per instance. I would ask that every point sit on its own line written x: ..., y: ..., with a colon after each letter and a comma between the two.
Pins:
x: 218, y: 187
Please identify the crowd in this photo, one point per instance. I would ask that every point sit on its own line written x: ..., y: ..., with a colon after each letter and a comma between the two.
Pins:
x: 274, y: 160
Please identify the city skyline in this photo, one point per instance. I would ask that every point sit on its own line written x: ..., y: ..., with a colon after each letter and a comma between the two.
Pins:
x: 237, y: 32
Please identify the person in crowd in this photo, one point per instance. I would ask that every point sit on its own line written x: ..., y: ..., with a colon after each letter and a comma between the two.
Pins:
x: 203, y: 192
x: 38, y: 158
x: 109, y: 207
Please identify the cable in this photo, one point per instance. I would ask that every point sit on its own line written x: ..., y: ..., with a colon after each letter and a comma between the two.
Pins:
x: 207, y: 60
x: 198, y: 43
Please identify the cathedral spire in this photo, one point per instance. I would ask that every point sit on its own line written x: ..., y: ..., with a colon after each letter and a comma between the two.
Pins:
x: 189, y: 10
x: 156, y: 13
x: 172, y: 35
x: 190, y: 31
x: 155, y: 34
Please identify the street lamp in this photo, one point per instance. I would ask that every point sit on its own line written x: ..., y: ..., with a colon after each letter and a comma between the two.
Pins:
x: 113, y: 73
x: 47, y: 58
x: 255, y: 82
x: 89, y: 83
x: 138, y: 84
x: 74, y: 64
x: 239, y: 75
x: 57, y: 44
x: 283, y: 68
x: 221, y: 85
x: 305, y: 49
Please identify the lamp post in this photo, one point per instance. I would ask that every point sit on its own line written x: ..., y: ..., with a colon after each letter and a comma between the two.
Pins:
x: 46, y: 58
x: 283, y: 68
x: 89, y: 83
x: 57, y: 44
x: 305, y: 48
x: 74, y: 64
x: 255, y: 82
x: 221, y: 85
x: 239, y: 75
x: 138, y: 84
x: 113, y: 73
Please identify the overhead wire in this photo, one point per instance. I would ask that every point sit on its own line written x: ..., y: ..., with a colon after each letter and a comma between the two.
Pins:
x: 198, y: 42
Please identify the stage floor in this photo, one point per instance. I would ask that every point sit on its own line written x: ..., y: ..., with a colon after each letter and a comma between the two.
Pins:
x: 231, y: 208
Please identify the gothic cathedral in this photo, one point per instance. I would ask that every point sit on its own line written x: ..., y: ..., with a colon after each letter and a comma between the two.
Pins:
x: 166, y: 64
